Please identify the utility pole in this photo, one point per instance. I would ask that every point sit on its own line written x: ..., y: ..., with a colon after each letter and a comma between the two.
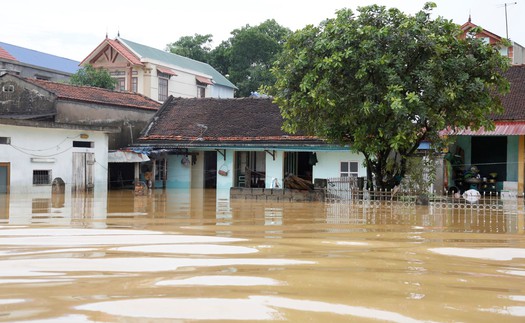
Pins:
x: 506, y: 21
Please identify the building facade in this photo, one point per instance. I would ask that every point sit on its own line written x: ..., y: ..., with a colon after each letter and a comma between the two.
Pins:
x: 158, y: 74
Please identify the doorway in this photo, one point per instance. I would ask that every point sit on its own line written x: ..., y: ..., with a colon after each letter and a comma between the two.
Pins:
x: 4, y: 177
x: 83, y: 171
x: 210, y: 169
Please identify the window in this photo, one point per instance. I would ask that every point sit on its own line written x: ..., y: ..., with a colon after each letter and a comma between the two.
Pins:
x: 5, y: 140
x: 84, y: 144
x: 8, y: 88
x: 349, y: 169
x: 41, y: 177
x: 161, y: 169
x: 134, y: 84
x: 163, y: 89
x: 121, y: 84
x: 42, y: 77
x: 201, y: 91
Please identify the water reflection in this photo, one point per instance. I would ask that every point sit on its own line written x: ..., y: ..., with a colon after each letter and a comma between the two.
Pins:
x: 214, y: 206
x: 197, y: 255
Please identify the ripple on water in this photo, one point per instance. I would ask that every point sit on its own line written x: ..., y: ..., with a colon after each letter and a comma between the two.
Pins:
x: 192, y: 249
x: 221, y: 280
x: 252, y: 308
x: 500, y: 254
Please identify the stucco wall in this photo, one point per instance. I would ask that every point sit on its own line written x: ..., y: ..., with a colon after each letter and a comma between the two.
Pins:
x: 55, y: 149
x: 328, y: 163
x: 130, y: 120
x: 20, y: 98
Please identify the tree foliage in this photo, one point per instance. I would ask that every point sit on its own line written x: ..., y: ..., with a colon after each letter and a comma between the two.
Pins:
x: 90, y: 76
x: 246, y: 57
x: 197, y: 47
x: 251, y: 52
x: 383, y: 81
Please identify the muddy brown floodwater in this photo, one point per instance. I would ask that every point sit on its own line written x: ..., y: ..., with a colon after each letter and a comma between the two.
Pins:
x: 196, y: 255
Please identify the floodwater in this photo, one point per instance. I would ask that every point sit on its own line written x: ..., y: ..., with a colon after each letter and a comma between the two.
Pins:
x: 196, y: 255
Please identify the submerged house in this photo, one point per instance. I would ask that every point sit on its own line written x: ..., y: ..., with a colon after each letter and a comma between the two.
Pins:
x: 224, y: 143
x: 158, y: 74
x: 498, y: 155
x: 52, y: 130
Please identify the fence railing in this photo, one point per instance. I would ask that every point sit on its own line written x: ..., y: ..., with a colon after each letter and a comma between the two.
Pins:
x: 351, y: 190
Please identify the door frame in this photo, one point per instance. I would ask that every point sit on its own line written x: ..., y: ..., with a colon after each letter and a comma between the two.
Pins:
x: 8, y: 178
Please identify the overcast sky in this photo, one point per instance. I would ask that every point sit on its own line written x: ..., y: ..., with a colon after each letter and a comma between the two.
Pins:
x: 72, y: 29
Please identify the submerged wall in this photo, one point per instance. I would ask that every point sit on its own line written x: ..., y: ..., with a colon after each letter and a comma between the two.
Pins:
x: 277, y: 194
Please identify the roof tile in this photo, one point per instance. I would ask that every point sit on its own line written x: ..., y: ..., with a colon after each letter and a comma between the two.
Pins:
x: 218, y: 120
x: 97, y: 95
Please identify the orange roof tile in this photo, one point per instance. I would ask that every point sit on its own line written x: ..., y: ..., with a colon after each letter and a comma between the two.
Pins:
x: 97, y: 95
x: 4, y: 54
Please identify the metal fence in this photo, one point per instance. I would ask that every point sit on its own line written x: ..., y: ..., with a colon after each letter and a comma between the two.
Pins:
x: 351, y: 190
x: 349, y: 203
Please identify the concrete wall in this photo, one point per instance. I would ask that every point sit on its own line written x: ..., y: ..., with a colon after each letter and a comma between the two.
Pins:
x: 130, y: 120
x: 279, y: 194
x: 20, y: 98
x: 328, y: 165
x: 33, y: 71
x: 512, y: 158
x: 34, y: 148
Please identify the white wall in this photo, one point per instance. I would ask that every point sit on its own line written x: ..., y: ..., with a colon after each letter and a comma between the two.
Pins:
x: 222, y: 92
x: 274, y: 168
x: 329, y: 162
x: 54, y: 148
x: 226, y: 181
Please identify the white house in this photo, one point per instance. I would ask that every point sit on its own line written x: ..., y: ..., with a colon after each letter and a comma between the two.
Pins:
x: 158, y: 74
x: 34, y: 153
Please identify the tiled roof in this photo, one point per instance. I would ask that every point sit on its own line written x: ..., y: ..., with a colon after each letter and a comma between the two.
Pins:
x: 36, y: 58
x: 124, y: 51
x: 168, y: 58
x: 201, y: 121
x: 514, y: 101
x: 4, y: 54
x: 469, y: 25
x: 97, y: 95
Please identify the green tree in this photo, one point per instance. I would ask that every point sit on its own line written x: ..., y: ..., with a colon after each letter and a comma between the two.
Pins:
x: 383, y: 82
x: 197, y: 47
x: 90, y: 76
x: 248, y: 55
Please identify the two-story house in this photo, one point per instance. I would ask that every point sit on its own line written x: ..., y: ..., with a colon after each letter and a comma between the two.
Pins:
x: 158, y: 74
x: 515, y: 52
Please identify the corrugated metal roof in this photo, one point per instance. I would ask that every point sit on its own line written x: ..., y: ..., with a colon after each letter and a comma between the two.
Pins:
x: 120, y: 156
x: 501, y: 129
x: 36, y: 58
x: 177, y: 60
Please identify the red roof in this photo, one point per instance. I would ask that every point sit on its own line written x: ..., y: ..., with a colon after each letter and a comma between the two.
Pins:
x: 4, y: 54
x: 118, y: 47
x: 166, y: 70
x: 97, y: 95
x: 501, y: 129
x: 469, y: 25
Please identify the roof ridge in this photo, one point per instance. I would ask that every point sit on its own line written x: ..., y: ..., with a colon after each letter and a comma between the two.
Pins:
x: 164, y: 51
